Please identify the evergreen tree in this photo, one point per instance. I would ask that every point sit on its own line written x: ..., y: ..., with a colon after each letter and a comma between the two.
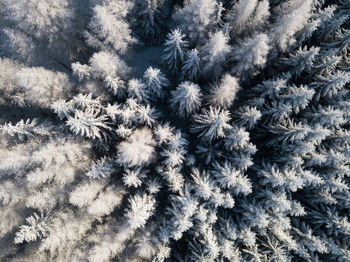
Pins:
x: 150, y: 19
x: 46, y: 33
x: 215, y: 53
x: 108, y: 29
x: 191, y: 66
x: 155, y: 82
x: 186, y: 99
x: 175, y: 47
x: 212, y: 123
x: 223, y: 94
x: 196, y: 17
x: 140, y: 210
x: 251, y: 54
x: 36, y: 229
x: 238, y: 152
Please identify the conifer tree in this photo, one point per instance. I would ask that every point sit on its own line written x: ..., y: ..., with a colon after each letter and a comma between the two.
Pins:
x: 108, y: 30
x: 215, y: 53
x: 46, y: 33
x: 185, y: 99
x: 251, y: 54
x: 223, y: 94
x: 232, y: 146
x: 196, y: 17
x: 150, y: 19
x: 155, y: 82
x: 191, y: 66
x: 212, y: 123
x: 175, y: 47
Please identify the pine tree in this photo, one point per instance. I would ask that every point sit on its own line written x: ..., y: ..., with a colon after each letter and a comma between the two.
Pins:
x: 247, y: 116
x: 223, y: 94
x: 36, y: 229
x: 191, y: 66
x: 138, y: 149
x: 88, y: 123
x: 303, y: 60
x: 104, y: 64
x: 196, y: 17
x: 137, y: 90
x: 331, y: 84
x: 141, y: 208
x: 150, y: 19
x: 175, y: 47
x: 25, y: 129
x: 155, y: 82
x: 215, y: 53
x: 242, y: 13
x: 211, y: 124
x: 133, y: 177
x: 252, y: 54
x: 293, y: 16
x: 108, y: 29
x: 47, y: 33
x: 101, y: 169
x: 186, y: 99
x: 42, y: 86
x: 9, y: 88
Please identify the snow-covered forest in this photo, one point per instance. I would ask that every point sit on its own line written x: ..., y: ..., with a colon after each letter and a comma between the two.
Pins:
x: 174, y: 130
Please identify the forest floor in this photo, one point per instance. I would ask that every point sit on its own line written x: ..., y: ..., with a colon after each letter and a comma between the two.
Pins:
x: 143, y: 58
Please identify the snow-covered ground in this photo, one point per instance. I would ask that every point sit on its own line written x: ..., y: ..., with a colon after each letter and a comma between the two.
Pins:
x: 145, y: 57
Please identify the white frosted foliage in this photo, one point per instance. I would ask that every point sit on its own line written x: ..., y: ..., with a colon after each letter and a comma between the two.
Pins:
x: 155, y: 82
x: 252, y: 54
x: 223, y: 94
x: 140, y: 209
x: 138, y: 149
x: 191, y: 67
x: 212, y: 123
x: 185, y: 99
x: 215, y: 53
x: 175, y: 47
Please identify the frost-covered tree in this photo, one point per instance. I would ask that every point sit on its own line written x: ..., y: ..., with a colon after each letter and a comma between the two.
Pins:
x: 35, y: 229
x: 9, y: 87
x: 175, y: 47
x: 108, y: 29
x: 303, y: 60
x: 185, y: 99
x: 137, y: 90
x: 138, y: 150
x: 43, y: 32
x: 223, y: 94
x: 242, y: 14
x: 230, y: 177
x: 251, y: 54
x: 101, y: 169
x: 133, y: 177
x: 212, y: 123
x: 43, y: 87
x: 191, y: 66
x: 232, y: 146
x: 150, y: 19
x: 155, y: 82
x: 104, y: 64
x: 292, y: 17
x: 141, y: 207
x: 25, y: 129
x: 215, y: 53
x: 87, y: 124
x: 247, y: 116
x: 196, y: 17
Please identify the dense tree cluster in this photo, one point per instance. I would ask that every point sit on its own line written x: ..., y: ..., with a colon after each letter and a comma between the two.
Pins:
x: 232, y: 144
